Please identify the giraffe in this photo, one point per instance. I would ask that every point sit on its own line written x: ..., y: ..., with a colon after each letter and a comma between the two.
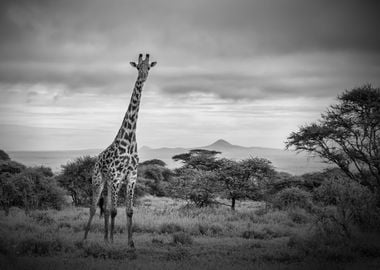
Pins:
x: 118, y: 162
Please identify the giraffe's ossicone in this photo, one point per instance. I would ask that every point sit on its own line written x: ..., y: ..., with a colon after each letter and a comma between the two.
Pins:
x: 118, y: 162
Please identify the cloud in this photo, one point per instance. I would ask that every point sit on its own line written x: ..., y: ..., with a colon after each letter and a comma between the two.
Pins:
x: 88, y: 44
x: 240, y: 66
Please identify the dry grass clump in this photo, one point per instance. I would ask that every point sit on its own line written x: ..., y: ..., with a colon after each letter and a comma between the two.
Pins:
x: 182, y: 238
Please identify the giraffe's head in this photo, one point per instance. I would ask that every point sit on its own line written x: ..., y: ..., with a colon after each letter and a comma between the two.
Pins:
x: 143, y: 66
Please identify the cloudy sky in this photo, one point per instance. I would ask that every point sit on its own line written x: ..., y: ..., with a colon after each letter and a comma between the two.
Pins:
x: 246, y: 71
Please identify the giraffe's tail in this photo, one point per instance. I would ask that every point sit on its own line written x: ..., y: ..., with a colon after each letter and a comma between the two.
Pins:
x: 101, y: 206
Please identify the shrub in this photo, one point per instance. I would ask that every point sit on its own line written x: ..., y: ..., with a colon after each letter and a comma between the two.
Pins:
x: 355, y: 204
x: 299, y: 216
x: 76, y: 178
x: 291, y: 198
x: 215, y: 229
x: 39, y: 246
x: 157, y: 241
x: 182, y: 238
x: 4, y: 155
x: 170, y: 228
x: 42, y: 218
x: 266, y: 233
x: 33, y: 188
x: 194, y: 185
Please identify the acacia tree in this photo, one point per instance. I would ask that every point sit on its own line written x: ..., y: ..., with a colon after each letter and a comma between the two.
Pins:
x: 348, y: 135
x: 196, y: 179
x: 245, y: 179
x: 200, y: 159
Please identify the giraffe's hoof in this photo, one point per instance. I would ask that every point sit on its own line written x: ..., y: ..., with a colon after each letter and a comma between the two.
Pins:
x: 131, y: 244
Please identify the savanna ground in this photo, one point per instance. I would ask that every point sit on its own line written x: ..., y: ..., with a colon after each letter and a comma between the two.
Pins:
x: 171, y: 235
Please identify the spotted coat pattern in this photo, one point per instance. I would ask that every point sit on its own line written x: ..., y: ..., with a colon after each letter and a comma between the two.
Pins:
x: 117, y: 164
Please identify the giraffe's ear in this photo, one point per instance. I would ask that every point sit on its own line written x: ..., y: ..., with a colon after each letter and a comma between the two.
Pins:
x: 153, y: 64
x: 133, y: 64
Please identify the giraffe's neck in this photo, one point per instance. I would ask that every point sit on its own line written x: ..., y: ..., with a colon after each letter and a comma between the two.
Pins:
x: 127, y: 131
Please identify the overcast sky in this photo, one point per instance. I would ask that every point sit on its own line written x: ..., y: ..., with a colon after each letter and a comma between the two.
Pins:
x: 247, y: 71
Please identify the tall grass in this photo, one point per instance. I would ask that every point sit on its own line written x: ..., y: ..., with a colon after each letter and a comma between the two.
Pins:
x: 169, y: 229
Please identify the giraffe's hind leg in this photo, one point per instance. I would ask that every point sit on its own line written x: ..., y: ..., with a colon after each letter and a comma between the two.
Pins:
x: 97, y: 188
x: 107, y: 207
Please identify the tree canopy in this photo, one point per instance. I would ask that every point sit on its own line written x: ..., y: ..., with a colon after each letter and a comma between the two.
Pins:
x: 76, y: 179
x: 246, y: 178
x: 348, y: 135
x: 198, y: 159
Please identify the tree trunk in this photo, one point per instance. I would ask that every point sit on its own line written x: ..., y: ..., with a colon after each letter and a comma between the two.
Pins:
x: 233, y: 200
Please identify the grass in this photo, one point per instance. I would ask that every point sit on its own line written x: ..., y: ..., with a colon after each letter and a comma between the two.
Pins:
x: 170, y: 235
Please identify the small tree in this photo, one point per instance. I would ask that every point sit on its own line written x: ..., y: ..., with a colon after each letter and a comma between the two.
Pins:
x: 196, y: 186
x: 155, y: 176
x: 76, y: 179
x: 8, y: 192
x: 196, y: 179
x: 355, y: 204
x: 4, y: 156
x: 347, y: 135
x: 31, y: 189
x: 245, y: 179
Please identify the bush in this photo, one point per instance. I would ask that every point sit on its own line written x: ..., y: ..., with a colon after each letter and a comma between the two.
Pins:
x: 76, y: 178
x: 4, y: 156
x: 355, y: 204
x: 194, y: 185
x: 299, y: 216
x: 42, y: 218
x: 182, y: 238
x: 265, y: 233
x: 170, y: 228
x: 33, y: 188
x: 291, y: 198
x: 11, y: 167
x: 39, y: 246
x: 98, y: 250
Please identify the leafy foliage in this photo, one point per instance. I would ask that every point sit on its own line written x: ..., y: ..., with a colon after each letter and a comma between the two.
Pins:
x: 31, y: 189
x: 196, y: 186
x: 28, y: 188
x: 292, y: 198
x: 353, y: 203
x: 76, y: 179
x: 157, y: 162
x: 4, y: 155
x: 245, y: 179
x: 154, y: 176
x: 200, y: 159
x: 348, y: 135
x: 196, y: 180
x: 11, y: 167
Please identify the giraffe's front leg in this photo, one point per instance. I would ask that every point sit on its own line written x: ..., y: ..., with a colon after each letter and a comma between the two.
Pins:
x: 115, y: 192
x: 129, y: 207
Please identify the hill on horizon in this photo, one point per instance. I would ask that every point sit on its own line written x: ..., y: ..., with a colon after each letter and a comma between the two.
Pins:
x: 286, y: 161
x: 282, y: 160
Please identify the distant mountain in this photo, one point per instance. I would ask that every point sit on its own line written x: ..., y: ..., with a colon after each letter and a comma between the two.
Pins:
x: 285, y: 161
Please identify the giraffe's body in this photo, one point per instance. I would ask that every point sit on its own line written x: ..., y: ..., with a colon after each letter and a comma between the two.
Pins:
x: 118, y: 162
